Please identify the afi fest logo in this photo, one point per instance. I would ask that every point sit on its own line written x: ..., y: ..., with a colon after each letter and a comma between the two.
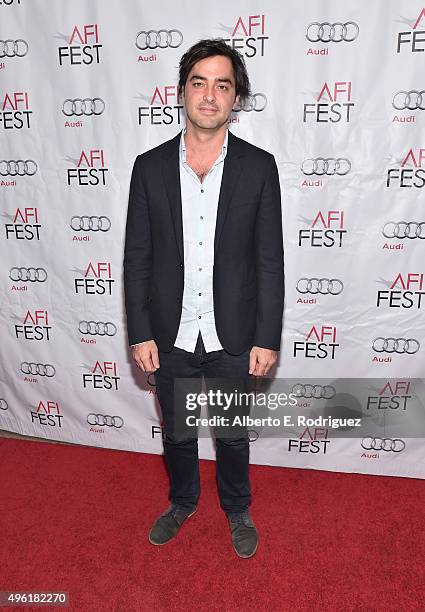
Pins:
x: 164, y: 107
x: 320, y: 343
x: 335, y: 108
x: 411, y: 172
x: 312, y: 440
x: 404, y: 292
x: 83, y: 46
x: 25, y: 225
x: 97, y: 279
x: 328, y: 233
x: 15, y: 111
x: 47, y: 413
x: 103, y: 375
x: 35, y: 326
x: 394, y: 395
x: 248, y: 35
x: 413, y: 40
x: 90, y: 169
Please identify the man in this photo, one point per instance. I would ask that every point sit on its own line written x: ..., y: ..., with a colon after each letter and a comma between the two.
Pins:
x: 203, y: 274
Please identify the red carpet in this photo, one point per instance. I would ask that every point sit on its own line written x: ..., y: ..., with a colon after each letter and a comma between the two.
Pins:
x: 76, y: 519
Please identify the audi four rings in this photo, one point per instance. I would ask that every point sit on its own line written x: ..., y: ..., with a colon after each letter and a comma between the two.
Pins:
x: 38, y: 369
x: 90, y: 224
x: 396, y: 345
x: 13, y: 48
x: 409, y: 100
x: 385, y: 444
x: 334, y: 286
x: 97, y: 328
x: 32, y: 275
x: 158, y: 39
x: 326, y: 165
x: 105, y: 419
x: 3, y: 404
x: 404, y: 229
x: 83, y: 106
x: 255, y: 102
x: 18, y: 167
x: 314, y: 391
x: 335, y: 32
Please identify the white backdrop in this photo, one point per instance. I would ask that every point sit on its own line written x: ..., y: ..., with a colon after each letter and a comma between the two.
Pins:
x: 337, y: 100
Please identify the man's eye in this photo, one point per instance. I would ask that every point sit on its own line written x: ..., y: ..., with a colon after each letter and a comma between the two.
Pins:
x: 225, y: 87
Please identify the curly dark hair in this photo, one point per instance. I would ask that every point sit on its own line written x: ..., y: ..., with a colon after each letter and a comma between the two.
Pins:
x: 208, y: 48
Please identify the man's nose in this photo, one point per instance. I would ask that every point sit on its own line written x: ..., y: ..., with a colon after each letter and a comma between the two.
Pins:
x: 209, y: 93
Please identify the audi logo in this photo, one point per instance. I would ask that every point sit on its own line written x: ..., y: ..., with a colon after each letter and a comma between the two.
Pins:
x: 3, y: 404
x: 32, y: 275
x: 13, y: 48
x: 105, y: 419
x: 314, y: 391
x: 90, y: 224
x: 326, y: 165
x: 395, y: 445
x: 409, y: 100
x: 255, y: 102
x: 314, y: 285
x: 158, y: 39
x: 38, y: 369
x: 18, y: 167
x: 404, y: 229
x: 396, y: 345
x: 332, y: 32
x: 83, y: 106
x: 97, y: 328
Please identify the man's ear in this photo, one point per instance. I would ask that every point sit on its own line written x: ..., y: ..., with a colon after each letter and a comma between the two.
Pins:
x: 237, y: 101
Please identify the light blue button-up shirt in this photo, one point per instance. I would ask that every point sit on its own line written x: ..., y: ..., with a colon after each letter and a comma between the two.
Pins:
x: 199, y: 213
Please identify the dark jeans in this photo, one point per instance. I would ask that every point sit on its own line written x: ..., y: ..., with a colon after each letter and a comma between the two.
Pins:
x: 232, y: 455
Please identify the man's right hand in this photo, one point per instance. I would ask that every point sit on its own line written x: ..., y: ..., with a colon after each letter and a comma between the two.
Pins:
x: 146, y: 356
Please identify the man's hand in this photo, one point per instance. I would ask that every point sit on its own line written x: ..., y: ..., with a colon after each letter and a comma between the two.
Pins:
x: 146, y: 356
x: 261, y: 360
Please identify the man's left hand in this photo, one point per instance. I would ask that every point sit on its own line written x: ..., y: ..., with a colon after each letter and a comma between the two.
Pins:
x: 261, y: 360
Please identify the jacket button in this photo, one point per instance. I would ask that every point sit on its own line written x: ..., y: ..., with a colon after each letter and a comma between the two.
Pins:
x: 181, y: 265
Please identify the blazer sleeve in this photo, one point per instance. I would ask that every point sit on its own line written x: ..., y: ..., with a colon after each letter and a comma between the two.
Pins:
x: 137, y: 260
x: 269, y: 263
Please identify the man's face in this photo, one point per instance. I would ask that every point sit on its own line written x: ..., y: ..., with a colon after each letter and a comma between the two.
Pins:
x: 209, y: 94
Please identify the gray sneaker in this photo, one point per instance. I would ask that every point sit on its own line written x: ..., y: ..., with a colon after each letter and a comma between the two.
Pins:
x: 244, y: 534
x: 168, y: 524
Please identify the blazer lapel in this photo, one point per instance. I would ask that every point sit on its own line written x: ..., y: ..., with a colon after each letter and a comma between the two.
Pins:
x: 171, y: 174
x: 231, y: 172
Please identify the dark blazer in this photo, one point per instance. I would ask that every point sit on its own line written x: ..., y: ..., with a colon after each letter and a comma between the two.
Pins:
x: 248, y: 278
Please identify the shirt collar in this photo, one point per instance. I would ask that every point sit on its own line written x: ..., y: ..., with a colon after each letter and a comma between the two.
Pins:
x: 183, y: 147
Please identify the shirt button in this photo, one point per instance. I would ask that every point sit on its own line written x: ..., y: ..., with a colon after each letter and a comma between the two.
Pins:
x: 202, y: 191
x: 199, y: 317
x: 200, y: 244
x: 199, y: 294
x: 200, y: 269
x: 201, y: 217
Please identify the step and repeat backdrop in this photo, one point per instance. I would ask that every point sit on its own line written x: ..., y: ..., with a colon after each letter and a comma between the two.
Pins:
x: 338, y: 96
